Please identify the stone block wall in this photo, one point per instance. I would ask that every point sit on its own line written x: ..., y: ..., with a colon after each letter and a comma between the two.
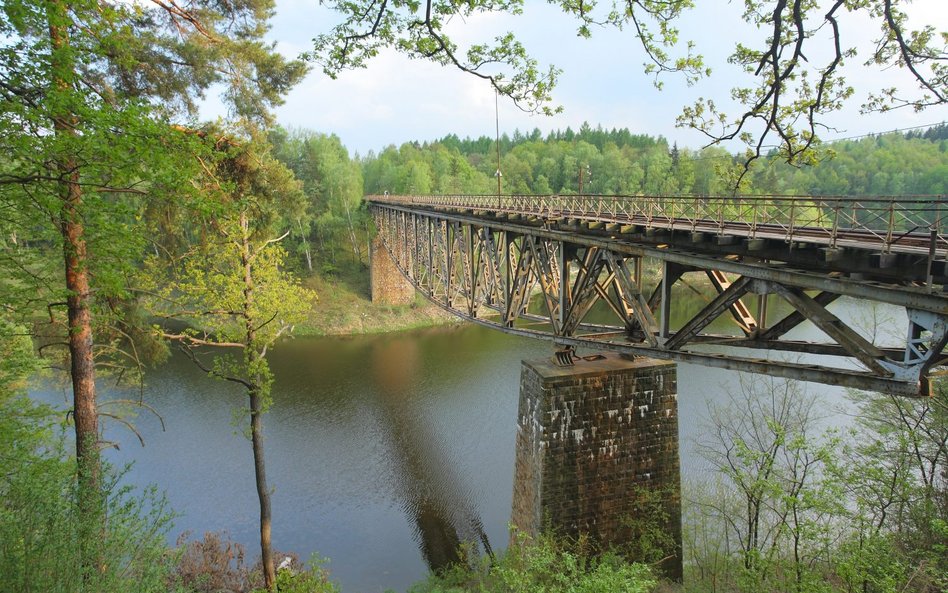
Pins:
x: 591, y: 439
x: 389, y: 286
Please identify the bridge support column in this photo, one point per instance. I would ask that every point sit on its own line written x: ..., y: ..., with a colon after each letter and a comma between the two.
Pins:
x: 597, y: 452
x: 389, y: 287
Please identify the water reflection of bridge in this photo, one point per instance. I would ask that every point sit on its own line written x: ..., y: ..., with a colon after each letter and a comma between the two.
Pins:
x: 443, y: 513
x: 482, y: 257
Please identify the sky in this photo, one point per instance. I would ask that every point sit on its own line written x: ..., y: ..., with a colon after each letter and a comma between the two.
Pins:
x: 396, y: 100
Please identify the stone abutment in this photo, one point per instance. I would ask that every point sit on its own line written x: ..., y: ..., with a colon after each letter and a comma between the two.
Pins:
x: 389, y: 286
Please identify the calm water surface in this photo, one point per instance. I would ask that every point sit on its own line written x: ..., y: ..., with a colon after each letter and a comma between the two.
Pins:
x: 381, y: 450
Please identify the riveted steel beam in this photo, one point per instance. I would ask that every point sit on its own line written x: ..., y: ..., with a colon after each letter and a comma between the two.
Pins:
x: 487, y: 270
x: 721, y: 303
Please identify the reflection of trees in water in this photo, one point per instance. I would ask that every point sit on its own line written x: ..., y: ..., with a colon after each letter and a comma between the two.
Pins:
x: 430, y: 490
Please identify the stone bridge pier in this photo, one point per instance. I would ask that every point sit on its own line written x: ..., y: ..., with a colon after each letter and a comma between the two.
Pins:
x: 389, y: 286
x: 597, y: 452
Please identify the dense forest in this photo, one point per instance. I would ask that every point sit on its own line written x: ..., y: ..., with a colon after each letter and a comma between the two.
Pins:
x: 618, y: 162
x: 614, y: 162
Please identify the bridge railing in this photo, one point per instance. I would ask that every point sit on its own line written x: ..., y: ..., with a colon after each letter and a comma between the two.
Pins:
x: 904, y: 223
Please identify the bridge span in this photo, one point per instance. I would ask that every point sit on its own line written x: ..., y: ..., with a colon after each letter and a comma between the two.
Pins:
x: 484, y: 258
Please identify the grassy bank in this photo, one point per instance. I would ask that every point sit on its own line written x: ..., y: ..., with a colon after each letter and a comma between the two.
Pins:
x: 345, y: 307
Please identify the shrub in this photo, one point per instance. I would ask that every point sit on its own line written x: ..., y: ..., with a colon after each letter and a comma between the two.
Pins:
x: 42, y: 531
x: 543, y: 565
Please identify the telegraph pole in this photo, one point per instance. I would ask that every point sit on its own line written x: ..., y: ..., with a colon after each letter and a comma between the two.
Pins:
x: 498, y: 174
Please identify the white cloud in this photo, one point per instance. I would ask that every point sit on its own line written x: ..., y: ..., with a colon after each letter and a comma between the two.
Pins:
x: 396, y: 100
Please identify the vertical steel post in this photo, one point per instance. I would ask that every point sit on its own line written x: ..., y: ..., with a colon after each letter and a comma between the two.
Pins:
x: 761, y: 312
x: 933, y: 241
x: 888, y: 236
x: 665, y: 329
x: 429, y: 226
x: 563, y: 293
x: 449, y: 263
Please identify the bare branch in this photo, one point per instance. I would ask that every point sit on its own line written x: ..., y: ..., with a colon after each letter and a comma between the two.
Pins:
x: 190, y: 353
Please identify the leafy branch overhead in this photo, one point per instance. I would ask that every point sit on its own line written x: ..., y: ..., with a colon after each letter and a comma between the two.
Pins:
x: 794, y: 93
x: 418, y: 29
x: 794, y: 80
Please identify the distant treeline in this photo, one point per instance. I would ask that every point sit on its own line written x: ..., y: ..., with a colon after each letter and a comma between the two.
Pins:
x: 616, y: 161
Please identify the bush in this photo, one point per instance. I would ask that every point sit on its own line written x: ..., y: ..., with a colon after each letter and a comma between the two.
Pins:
x: 213, y: 564
x: 216, y: 564
x: 42, y: 532
x: 544, y: 565
x: 298, y: 579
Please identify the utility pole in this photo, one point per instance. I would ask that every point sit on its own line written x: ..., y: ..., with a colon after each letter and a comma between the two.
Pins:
x: 498, y: 174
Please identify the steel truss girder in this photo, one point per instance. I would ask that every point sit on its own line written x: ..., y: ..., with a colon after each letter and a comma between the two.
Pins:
x: 487, y: 271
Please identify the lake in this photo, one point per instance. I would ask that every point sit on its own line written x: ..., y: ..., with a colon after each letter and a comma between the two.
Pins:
x: 372, y: 442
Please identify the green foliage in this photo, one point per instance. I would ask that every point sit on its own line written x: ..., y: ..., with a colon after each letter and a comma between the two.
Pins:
x: 332, y: 183
x: 42, y: 531
x: 233, y: 290
x: 122, y: 152
x: 231, y: 286
x: 618, y: 162
x: 872, y: 562
x: 900, y: 478
x: 544, y: 565
x: 311, y: 579
x: 792, y: 510
x: 771, y: 520
x: 651, y: 535
x: 17, y: 361
x: 89, y: 93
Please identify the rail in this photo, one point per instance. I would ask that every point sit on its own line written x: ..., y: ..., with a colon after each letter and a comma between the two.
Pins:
x: 912, y: 224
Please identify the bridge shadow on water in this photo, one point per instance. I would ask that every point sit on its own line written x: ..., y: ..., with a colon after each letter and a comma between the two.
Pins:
x: 432, y: 495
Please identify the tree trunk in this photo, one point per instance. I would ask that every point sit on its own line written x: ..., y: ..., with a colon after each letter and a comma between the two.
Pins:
x: 76, y: 265
x: 256, y: 434
x: 256, y: 408
x: 309, y: 256
x: 76, y: 272
x: 352, y: 234
x: 306, y: 251
x: 82, y: 366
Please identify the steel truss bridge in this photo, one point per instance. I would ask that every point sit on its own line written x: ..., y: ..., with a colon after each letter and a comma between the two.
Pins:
x: 484, y: 258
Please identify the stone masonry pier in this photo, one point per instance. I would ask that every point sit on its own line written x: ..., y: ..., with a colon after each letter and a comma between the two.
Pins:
x: 591, y: 439
x: 389, y: 286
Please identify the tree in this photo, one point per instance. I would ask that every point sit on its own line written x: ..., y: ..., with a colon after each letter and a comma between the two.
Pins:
x: 790, y: 95
x: 232, y: 290
x: 86, y: 88
x: 778, y: 501
x: 900, y: 477
x: 332, y: 183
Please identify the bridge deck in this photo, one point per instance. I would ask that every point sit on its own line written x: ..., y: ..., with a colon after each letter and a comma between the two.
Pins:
x: 883, y: 224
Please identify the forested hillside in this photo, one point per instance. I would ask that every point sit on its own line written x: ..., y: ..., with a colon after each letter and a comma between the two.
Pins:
x: 620, y: 162
x: 328, y: 240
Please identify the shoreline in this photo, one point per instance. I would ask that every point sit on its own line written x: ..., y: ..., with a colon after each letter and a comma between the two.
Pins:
x: 343, y: 308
